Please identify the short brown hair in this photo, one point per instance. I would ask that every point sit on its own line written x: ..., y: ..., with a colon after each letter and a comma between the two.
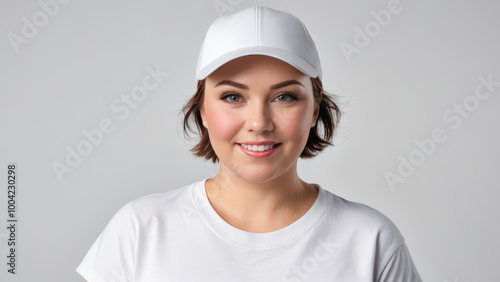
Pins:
x: 320, y: 136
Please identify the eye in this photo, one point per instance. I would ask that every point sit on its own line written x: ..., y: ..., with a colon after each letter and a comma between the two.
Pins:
x: 231, y: 98
x: 286, y: 98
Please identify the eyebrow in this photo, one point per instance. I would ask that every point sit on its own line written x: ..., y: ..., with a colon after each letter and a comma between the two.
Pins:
x: 232, y: 83
x: 273, y: 87
x: 285, y: 83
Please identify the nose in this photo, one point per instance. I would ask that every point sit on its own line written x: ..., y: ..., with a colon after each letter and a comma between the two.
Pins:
x: 258, y: 117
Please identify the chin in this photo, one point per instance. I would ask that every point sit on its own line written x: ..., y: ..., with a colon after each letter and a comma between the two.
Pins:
x: 259, y: 175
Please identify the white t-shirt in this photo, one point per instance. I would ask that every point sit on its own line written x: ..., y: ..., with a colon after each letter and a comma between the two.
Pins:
x: 178, y: 236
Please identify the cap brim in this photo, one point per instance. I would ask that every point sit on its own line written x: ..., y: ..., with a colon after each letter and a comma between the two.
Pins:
x: 288, y: 57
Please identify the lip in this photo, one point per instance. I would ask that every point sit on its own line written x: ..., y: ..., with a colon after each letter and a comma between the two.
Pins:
x: 262, y: 154
x: 259, y: 143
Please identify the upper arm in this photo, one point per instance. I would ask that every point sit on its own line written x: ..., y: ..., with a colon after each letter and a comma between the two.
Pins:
x: 400, y: 267
x: 113, y: 253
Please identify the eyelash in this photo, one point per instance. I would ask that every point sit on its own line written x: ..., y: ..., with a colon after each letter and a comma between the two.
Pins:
x: 226, y: 95
x: 292, y: 97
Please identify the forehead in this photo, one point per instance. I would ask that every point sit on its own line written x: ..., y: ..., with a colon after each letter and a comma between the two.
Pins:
x: 254, y: 68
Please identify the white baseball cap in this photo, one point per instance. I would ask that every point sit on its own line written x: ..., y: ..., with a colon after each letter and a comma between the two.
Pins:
x: 258, y: 31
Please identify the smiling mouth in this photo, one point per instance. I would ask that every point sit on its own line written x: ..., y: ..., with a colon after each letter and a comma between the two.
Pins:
x: 259, y: 148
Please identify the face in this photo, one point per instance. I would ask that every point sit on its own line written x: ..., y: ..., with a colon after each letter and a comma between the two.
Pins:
x: 258, y: 111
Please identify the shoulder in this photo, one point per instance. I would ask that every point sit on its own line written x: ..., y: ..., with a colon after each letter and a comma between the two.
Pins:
x: 361, y: 223
x: 359, y: 215
x: 363, y: 228
x: 157, y: 205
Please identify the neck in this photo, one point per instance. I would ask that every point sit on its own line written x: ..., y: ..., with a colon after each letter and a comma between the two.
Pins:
x: 260, y: 206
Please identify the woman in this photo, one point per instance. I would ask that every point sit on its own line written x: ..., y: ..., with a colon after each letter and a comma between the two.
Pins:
x: 259, y: 106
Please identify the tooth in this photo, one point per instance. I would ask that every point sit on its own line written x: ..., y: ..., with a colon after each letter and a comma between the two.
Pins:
x: 258, y: 148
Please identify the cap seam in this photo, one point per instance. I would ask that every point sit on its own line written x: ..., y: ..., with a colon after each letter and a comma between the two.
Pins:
x: 308, y: 38
x: 257, y: 24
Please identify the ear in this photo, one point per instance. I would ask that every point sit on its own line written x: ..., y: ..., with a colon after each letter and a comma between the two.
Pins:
x: 203, y: 116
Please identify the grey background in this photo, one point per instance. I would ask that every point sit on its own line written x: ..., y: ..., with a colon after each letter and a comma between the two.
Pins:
x: 393, y: 91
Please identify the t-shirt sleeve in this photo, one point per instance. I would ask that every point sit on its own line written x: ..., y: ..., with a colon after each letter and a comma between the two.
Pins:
x: 400, y: 267
x: 112, y: 256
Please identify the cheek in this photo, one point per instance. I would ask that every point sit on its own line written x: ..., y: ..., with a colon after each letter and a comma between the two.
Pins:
x: 296, y: 125
x: 222, y: 125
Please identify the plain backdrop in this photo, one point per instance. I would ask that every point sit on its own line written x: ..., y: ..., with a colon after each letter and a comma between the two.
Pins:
x: 66, y: 66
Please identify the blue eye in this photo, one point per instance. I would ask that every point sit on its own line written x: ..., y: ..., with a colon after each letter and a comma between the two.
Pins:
x: 286, y: 97
x: 231, y: 98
